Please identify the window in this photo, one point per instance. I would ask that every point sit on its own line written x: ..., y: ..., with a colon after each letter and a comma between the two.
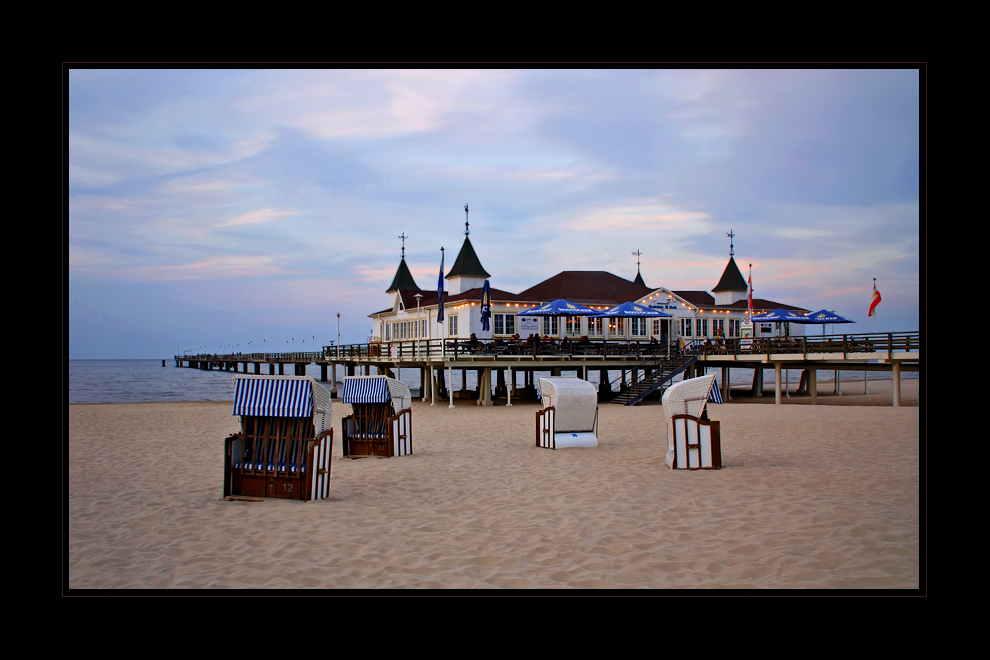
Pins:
x: 551, y: 326
x: 733, y: 327
x: 423, y: 329
x: 594, y: 327
x: 702, y: 327
x: 718, y: 326
x: 616, y: 327
x: 388, y: 332
x: 686, y: 327
x: 505, y: 324
x: 638, y: 327
x: 573, y: 328
x: 452, y: 326
x: 656, y: 327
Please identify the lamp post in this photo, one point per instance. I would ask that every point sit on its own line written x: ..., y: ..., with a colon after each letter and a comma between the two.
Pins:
x: 338, y: 331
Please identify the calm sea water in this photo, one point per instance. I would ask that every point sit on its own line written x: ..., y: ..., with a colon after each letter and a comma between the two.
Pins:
x: 128, y: 381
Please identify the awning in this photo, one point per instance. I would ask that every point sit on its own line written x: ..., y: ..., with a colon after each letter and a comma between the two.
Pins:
x: 268, y: 396
x: 366, y: 389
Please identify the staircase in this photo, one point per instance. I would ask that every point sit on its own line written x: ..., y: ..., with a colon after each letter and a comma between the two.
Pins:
x: 663, y: 371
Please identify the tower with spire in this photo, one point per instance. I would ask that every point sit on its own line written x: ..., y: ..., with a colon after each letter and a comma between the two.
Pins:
x: 732, y: 285
x: 403, y: 280
x: 467, y: 272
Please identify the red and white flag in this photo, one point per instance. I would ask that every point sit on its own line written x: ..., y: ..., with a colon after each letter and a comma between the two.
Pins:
x: 876, y: 298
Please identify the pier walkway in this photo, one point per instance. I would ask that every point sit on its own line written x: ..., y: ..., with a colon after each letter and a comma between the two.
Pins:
x: 646, y: 369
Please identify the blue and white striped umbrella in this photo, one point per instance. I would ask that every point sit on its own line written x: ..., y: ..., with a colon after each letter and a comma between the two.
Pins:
x: 273, y: 397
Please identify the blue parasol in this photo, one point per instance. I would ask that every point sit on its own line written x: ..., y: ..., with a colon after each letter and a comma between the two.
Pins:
x: 628, y: 309
x: 559, y: 307
x: 779, y: 315
x: 824, y: 316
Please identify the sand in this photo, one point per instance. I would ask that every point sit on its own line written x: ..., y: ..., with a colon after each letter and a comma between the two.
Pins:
x: 820, y: 496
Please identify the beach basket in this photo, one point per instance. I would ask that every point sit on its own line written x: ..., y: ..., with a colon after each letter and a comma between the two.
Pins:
x: 570, y: 414
x: 693, y: 441
x: 284, y: 447
x: 381, y: 423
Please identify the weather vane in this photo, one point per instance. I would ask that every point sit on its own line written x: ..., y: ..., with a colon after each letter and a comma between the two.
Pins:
x: 637, y: 254
x: 466, y: 229
x: 403, y: 237
x: 732, y: 249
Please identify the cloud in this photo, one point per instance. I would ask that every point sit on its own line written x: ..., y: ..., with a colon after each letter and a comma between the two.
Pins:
x: 258, y: 216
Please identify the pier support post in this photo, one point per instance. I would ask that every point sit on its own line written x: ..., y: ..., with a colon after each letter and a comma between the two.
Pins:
x: 323, y: 373
x: 604, y: 387
x: 450, y: 389
x: 896, y: 383
x: 333, y: 381
x: 271, y: 369
x: 500, y: 388
x: 511, y: 385
x: 813, y: 385
x: 281, y: 369
x: 555, y: 371
x: 485, y: 388
x: 776, y: 383
x: 726, y: 383
x: 758, y: 381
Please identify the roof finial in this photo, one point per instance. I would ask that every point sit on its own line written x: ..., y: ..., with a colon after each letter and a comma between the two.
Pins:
x: 403, y: 237
x: 467, y: 229
x: 637, y: 254
x: 732, y: 248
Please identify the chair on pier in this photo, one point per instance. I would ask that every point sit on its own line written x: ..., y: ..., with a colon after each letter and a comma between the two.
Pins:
x: 381, y: 424
x: 570, y: 414
x: 693, y: 441
x: 284, y: 447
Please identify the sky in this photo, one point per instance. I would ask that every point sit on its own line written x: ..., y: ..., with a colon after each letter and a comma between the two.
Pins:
x: 242, y: 210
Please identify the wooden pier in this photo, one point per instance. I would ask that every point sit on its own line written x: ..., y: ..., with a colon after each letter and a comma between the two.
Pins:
x: 646, y: 369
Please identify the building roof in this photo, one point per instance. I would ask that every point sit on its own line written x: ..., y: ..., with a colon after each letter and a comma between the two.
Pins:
x: 587, y: 287
x: 403, y: 279
x: 467, y: 263
x: 639, y: 280
x: 732, y: 279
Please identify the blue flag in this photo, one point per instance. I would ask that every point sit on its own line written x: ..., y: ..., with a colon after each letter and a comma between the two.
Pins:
x: 440, y: 291
x: 486, y: 307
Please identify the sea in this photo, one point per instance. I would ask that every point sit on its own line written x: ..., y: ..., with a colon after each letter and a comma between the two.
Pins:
x: 132, y: 381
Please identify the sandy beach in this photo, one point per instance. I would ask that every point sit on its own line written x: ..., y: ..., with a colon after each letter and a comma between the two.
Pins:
x: 822, y: 496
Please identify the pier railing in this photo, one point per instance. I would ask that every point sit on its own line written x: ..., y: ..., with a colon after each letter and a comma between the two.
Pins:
x: 876, y: 342
x: 425, y: 349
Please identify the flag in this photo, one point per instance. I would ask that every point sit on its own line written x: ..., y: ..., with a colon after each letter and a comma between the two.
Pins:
x: 875, y: 300
x: 440, y: 291
x: 749, y: 285
x: 486, y: 307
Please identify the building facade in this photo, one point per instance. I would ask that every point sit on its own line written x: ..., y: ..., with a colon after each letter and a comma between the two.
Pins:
x: 694, y: 314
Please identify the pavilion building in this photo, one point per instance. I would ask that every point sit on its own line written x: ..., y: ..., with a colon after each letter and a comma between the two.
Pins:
x: 694, y: 314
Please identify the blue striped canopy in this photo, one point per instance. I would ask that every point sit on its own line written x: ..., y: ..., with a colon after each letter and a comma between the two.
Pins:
x: 366, y: 390
x: 715, y: 396
x: 273, y: 397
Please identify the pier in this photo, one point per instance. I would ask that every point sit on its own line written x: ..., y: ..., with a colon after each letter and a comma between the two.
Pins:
x: 645, y: 369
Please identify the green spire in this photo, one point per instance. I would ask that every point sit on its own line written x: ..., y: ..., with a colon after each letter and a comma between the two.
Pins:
x: 467, y: 263
x: 403, y: 279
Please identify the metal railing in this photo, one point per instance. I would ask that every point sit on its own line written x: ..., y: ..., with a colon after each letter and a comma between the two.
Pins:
x: 875, y: 342
x: 420, y: 349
